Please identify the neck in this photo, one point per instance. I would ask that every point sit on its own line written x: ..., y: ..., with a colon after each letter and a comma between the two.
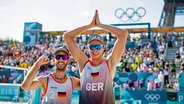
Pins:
x: 97, y: 62
x: 59, y: 75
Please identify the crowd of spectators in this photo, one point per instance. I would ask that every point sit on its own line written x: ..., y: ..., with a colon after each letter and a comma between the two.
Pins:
x: 142, y: 58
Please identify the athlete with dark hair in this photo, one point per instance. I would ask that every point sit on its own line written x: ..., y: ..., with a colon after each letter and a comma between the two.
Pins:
x: 56, y: 87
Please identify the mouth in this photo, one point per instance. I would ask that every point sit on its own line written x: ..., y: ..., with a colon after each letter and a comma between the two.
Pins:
x: 61, y: 63
x: 95, y: 54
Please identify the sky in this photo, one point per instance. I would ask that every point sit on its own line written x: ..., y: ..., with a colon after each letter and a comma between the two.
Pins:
x: 57, y: 15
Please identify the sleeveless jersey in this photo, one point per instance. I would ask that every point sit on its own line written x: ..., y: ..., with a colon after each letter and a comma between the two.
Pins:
x: 57, y: 93
x: 96, y: 85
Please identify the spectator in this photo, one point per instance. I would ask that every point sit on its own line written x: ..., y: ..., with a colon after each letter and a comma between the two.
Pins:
x: 173, y: 40
x: 155, y: 84
x: 170, y: 85
x: 177, y: 59
x: 134, y: 66
x: 4, y: 79
x: 117, y: 93
x: 167, y: 65
x: 173, y: 69
x: 131, y: 85
x: 166, y: 76
x: 140, y: 84
x: 125, y: 85
x: 176, y: 85
x: 161, y: 80
x: 149, y: 85
x: 127, y: 68
x: 182, y: 67
x: 181, y: 51
x: 75, y: 70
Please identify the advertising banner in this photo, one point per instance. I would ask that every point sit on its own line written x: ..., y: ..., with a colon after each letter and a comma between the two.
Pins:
x: 144, y: 97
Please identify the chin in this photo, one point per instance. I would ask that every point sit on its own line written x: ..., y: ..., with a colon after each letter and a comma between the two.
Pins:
x: 61, y: 68
x: 95, y: 58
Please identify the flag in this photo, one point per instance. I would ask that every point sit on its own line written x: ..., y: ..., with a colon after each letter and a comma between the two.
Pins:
x: 61, y: 95
x: 95, y: 75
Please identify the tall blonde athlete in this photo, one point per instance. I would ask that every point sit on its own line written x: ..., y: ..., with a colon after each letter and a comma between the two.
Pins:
x: 97, y: 73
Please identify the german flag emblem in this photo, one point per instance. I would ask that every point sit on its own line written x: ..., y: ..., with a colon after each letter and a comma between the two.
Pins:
x: 95, y: 75
x: 61, y: 95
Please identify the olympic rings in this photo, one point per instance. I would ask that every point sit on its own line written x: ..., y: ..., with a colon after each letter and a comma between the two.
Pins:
x: 130, y: 14
x: 152, y: 97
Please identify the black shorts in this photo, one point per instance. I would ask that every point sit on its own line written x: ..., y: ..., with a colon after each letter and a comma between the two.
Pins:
x: 117, y: 97
x: 173, y: 71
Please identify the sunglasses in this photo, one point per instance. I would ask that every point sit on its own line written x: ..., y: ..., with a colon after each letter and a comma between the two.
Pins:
x: 63, y: 56
x: 95, y: 46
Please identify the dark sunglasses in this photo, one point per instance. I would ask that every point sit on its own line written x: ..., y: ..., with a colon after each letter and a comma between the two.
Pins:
x: 95, y: 46
x: 63, y: 56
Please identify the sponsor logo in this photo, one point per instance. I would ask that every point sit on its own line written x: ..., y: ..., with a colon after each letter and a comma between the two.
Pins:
x: 88, y: 67
x: 180, y: 98
x: 53, y: 87
x: 152, y: 97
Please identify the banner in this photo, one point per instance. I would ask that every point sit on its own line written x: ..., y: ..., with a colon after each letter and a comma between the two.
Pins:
x: 9, y: 93
x: 144, y: 97
x: 181, y: 96
x: 120, y: 78
x: 12, y: 93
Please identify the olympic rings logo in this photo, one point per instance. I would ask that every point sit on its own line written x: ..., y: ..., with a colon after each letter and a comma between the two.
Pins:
x: 130, y: 14
x: 152, y: 97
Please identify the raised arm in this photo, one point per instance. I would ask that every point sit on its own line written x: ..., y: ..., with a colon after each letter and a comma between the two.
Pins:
x: 119, y: 45
x: 32, y: 83
x: 69, y: 37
